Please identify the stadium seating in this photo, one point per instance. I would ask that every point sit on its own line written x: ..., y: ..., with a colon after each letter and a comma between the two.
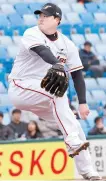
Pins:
x: 13, y: 17
x: 14, y: 1
x: 85, y: 126
x: 4, y: 21
x: 3, y: 53
x: 3, y: 75
x: 103, y: 37
x: 16, y: 40
x: 29, y: 1
x: 78, y: 39
x: 102, y: 7
x: 70, y: 2
x: 12, y: 51
x: 78, y: 8
x: 65, y: 29
x: 64, y: 7
x: 6, y: 40
x: 3, y: 1
x: 93, y: 38
x: 4, y: 100
x: 8, y: 63
x: 54, y: 1
x: 89, y: 97
x: 64, y: 20
x: 2, y: 87
x: 91, y: 84
x: 92, y: 115
x: 7, y: 9
x: 91, y: 7
x: 34, y: 6
x: 101, y: 49
x: 6, y: 118
x: 17, y: 27
x: 4, y: 109
x: 79, y: 23
x: 101, y: 81
x: 22, y: 9
x: 100, y: 18
x: 104, y: 121
x: 29, y: 19
x: 73, y: 18
x: 99, y: 95
x: 87, y: 18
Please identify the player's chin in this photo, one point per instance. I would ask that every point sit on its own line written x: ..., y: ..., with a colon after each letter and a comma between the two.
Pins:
x: 41, y: 26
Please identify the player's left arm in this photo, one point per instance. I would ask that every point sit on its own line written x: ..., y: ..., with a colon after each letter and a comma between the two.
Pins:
x: 80, y: 87
x: 74, y: 67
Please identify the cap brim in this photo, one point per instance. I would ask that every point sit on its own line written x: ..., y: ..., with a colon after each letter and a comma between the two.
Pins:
x: 42, y: 11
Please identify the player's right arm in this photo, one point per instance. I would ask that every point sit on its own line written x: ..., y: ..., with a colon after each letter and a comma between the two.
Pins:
x: 45, y: 53
x: 35, y: 44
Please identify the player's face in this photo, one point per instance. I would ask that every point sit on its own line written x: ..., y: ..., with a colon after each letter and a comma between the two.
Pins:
x: 46, y: 23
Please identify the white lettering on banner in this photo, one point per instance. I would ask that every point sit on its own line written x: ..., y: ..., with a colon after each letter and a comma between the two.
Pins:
x: 98, y: 154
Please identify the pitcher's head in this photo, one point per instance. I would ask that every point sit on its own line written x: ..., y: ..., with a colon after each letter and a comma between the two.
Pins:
x: 49, y: 18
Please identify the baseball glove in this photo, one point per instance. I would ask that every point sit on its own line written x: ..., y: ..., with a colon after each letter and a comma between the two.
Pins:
x: 55, y: 81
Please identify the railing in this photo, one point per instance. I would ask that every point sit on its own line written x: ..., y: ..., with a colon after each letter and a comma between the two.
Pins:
x: 48, y: 140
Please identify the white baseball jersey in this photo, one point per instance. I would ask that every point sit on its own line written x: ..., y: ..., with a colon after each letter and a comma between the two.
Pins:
x: 30, y: 65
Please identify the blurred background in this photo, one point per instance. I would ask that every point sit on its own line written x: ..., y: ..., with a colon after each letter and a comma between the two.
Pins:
x: 84, y: 22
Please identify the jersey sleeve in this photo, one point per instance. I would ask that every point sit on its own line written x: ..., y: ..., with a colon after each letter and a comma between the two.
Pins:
x: 31, y: 39
x: 74, y: 62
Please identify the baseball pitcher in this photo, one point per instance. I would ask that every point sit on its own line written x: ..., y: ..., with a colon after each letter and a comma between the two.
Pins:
x: 39, y: 80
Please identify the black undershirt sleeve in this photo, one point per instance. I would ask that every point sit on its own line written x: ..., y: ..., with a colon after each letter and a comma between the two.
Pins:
x: 77, y: 76
x: 79, y: 85
x: 45, y: 54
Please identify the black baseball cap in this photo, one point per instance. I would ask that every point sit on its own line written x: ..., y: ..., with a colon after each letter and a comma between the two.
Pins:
x: 50, y: 9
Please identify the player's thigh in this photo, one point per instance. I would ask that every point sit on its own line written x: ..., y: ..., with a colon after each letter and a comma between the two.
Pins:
x: 25, y: 97
x: 61, y: 107
x: 62, y: 104
x: 45, y: 112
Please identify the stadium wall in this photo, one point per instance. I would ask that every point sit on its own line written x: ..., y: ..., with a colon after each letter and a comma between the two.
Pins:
x: 46, y: 159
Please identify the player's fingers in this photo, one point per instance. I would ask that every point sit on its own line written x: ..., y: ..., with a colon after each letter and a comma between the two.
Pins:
x: 84, y: 116
x: 61, y: 74
x: 62, y: 87
x: 58, y: 91
x: 50, y: 83
x: 88, y: 112
x: 45, y: 81
x: 55, y: 86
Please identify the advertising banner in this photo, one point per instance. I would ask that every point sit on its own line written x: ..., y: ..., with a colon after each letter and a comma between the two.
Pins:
x: 40, y: 161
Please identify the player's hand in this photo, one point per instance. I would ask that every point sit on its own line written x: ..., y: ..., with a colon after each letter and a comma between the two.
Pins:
x: 84, y: 111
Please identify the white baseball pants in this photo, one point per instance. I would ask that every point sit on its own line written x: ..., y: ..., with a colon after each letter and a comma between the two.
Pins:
x: 28, y: 95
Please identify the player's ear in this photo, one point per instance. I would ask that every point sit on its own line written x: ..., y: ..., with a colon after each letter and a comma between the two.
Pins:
x: 59, y: 23
x: 58, y: 20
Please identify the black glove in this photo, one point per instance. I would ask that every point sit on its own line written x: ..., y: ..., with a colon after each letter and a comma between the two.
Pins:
x: 56, y: 80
